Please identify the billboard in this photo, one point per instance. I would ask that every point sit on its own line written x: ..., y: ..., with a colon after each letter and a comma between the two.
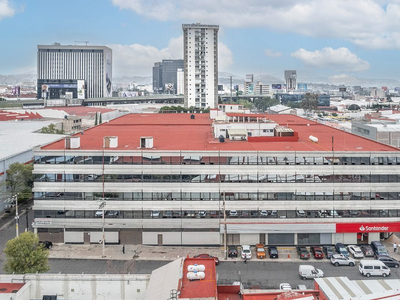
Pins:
x: 108, y: 89
x: 277, y: 86
x: 385, y: 88
x: 302, y: 86
x: 397, y: 89
x: 342, y: 89
x: 250, y: 90
x: 249, y: 77
x: 81, y: 89
x: 16, y: 90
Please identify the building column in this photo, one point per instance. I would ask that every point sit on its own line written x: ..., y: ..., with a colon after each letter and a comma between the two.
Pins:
x: 295, y: 238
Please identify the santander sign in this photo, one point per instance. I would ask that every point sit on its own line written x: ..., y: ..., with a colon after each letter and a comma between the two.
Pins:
x: 368, y: 227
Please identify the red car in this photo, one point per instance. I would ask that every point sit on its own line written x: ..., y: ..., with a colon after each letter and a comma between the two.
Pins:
x: 317, y: 252
x: 207, y: 256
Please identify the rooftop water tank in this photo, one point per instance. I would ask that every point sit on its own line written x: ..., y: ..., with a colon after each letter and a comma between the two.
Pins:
x: 195, y: 275
x: 196, y: 267
x: 313, y: 139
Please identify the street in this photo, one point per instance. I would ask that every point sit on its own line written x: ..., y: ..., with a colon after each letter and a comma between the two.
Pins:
x: 261, y: 274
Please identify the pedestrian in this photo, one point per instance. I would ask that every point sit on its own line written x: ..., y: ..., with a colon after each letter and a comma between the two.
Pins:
x: 245, y: 259
x: 123, y: 249
x: 394, y: 247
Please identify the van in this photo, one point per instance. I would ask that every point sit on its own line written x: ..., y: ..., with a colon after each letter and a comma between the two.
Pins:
x: 309, y: 272
x: 373, y: 268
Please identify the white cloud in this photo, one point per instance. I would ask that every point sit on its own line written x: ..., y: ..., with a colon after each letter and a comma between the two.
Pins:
x: 139, y: 59
x: 272, y: 53
x: 5, y: 9
x: 338, y: 59
x: 368, y: 23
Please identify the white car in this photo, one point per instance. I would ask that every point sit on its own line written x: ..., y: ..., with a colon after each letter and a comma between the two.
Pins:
x: 155, y: 214
x: 285, y: 287
x: 263, y: 213
x: 99, y: 213
x: 341, y: 260
x: 356, y: 251
x: 246, y: 252
x: 202, y: 214
x: 301, y: 213
x: 233, y: 213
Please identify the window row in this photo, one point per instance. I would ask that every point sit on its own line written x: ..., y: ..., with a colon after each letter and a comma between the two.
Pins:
x: 222, y: 160
x: 198, y: 178
x: 209, y: 214
x: 206, y: 196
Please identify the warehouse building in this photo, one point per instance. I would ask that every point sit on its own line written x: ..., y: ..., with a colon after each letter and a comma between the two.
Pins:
x: 168, y: 179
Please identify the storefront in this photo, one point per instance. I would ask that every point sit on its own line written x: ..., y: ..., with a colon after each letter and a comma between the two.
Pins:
x: 364, y: 233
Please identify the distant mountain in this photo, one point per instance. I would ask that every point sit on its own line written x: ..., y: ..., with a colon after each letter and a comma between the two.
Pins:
x: 17, y: 79
x: 141, y: 80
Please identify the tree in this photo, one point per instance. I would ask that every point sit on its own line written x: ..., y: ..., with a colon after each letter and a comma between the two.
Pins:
x: 310, y: 102
x: 334, y: 114
x: 354, y: 107
x: 100, y: 121
x: 25, y: 255
x: 246, y: 103
x: 20, y: 179
x: 95, y: 120
x: 51, y: 129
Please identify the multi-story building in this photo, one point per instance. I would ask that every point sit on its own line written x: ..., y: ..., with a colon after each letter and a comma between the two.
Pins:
x: 170, y: 178
x: 261, y: 89
x: 165, y: 77
x: 200, y: 48
x: 180, y: 82
x: 291, y: 80
x: 86, y: 71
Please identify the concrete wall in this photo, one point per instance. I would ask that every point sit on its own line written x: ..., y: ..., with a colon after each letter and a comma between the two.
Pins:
x: 373, y: 236
x: 182, y: 238
x: 83, y: 287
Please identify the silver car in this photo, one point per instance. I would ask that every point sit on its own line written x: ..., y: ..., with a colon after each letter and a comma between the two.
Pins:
x: 341, y: 260
x: 356, y: 251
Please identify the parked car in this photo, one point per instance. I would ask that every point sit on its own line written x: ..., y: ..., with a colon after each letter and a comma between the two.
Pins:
x: 388, y: 261
x: 274, y: 214
x: 260, y: 251
x: 113, y: 213
x: 356, y: 251
x: 245, y: 214
x: 167, y: 214
x: 99, y: 213
x: 233, y: 213
x: 373, y: 267
x: 309, y: 272
x: 246, y: 252
x: 204, y: 255
x: 379, y: 249
x: 273, y: 252
x: 367, y: 250
x: 329, y: 251
x: 155, y: 214
x: 333, y: 213
x: 317, y: 252
x: 341, y: 260
x: 202, y: 214
x: 322, y: 213
x: 301, y: 214
x: 303, y: 252
x: 232, y: 251
x: 341, y: 249
x: 263, y: 214
x: 254, y: 214
x: 46, y: 244
x: 285, y: 286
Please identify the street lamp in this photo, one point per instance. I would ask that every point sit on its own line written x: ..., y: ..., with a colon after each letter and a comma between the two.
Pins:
x: 15, y: 198
x: 101, y: 206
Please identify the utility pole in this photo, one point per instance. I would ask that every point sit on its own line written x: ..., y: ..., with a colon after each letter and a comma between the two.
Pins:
x: 103, y: 241
x: 16, y: 215
x: 230, y: 77
x: 225, y: 229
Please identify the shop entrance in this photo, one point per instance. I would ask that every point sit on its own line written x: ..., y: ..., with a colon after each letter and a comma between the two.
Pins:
x: 362, y: 238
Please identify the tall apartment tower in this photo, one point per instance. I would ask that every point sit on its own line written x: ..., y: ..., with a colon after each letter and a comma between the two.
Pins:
x: 84, y: 71
x: 291, y: 80
x: 200, y: 48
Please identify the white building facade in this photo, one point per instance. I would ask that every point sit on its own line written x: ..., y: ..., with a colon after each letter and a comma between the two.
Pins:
x: 180, y: 82
x: 62, y: 68
x: 200, y: 48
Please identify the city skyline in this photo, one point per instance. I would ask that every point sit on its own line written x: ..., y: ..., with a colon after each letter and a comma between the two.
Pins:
x: 332, y: 39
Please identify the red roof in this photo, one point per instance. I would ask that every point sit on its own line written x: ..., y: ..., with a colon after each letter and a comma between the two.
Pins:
x: 82, y: 110
x: 246, y: 115
x: 11, y: 116
x: 7, y: 288
x: 180, y: 132
x: 205, y: 288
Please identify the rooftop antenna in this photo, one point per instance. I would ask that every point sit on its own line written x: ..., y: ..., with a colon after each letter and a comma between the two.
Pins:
x: 86, y: 42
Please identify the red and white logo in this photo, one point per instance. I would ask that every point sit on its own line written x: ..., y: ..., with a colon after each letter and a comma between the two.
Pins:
x: 362, y: 228
x: 369, y: 227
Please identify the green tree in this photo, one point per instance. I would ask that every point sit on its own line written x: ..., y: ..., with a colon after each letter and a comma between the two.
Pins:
x: 246, y: 103
x: 100, y: 121
x: 25, y: 255
x: 354, y: 107
x: 334, y: 114
x: 310, y: 102
x: 51, y: 129
x: 20, y: 179
x: 95, y: 120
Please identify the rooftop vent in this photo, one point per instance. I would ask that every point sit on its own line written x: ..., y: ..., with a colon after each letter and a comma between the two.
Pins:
x: 72, y: 142
x: 221, y: 139
x: 110, y: 142
x: 192, y: 116
x: 146, y: 142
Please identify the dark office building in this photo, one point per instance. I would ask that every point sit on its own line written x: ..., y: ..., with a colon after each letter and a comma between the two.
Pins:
x: 164, y: 75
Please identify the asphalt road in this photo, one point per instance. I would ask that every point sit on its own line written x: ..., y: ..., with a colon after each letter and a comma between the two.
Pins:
x: 260, y: 274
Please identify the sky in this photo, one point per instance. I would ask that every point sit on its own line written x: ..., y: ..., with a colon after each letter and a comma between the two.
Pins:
x: 328, y: 38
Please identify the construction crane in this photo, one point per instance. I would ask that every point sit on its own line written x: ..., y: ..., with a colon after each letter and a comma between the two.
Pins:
x: 86, y: 42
